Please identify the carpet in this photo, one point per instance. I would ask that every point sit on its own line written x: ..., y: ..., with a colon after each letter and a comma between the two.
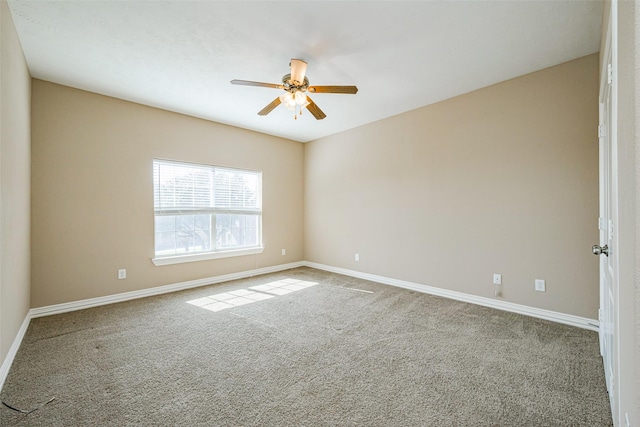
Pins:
x: 304, y: 347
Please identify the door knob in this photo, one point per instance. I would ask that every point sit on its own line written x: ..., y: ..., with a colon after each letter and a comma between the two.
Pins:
x: 599, y: 250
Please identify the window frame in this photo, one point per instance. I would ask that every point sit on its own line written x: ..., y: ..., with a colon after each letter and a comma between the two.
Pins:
x: 213, y: 253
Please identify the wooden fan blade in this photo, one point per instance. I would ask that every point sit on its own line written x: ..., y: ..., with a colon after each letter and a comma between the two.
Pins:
x: 298, y: 70
x: 260, y: 84
x: 333, y: 89
x: 269, y: 108
x: 315, y: 110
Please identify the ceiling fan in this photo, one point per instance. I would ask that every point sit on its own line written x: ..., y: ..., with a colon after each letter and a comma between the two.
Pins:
x: 296, y: 86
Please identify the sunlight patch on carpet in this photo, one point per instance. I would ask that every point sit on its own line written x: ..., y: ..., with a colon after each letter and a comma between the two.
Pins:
x: 283, y: 287
x: 222, y: 301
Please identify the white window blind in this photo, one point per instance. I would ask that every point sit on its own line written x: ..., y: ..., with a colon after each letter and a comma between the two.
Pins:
x: 201, y: 208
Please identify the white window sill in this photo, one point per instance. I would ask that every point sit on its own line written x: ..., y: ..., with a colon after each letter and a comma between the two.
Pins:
x: 177, y: 259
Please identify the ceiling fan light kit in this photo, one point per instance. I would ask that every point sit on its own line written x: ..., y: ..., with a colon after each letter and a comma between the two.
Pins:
x: 296, y: 85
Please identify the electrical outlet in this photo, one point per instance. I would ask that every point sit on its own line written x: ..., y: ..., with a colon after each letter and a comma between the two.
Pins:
x: 357, y: 257
x: 540, y: 285
x: 122, y: 273
x: 284, y: 252
x: 497, y: 279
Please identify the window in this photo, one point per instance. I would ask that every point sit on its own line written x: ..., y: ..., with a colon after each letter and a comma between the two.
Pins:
x: 204, y: 212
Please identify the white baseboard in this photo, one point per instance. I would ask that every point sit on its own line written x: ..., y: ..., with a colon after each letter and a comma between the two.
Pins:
x: 567, y: 319
x: 13, y: 350
x: 126, y: 296
x: 553, y: 316
x: 158, y: 290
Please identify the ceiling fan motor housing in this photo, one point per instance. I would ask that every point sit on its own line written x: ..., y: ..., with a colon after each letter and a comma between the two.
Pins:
x: 294, y: 86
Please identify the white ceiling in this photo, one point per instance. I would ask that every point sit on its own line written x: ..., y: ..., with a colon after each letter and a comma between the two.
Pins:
x: 181, y: 55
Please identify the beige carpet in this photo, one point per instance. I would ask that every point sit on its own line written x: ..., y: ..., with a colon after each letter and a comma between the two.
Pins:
x: 304, y: 348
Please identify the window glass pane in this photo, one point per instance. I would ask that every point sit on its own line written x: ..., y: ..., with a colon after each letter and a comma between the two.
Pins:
x: 203, y: 222
x: 185, y: 222
x: 184, y: 242
x: 165, y: 223
x: 183, y: 239
x: 202, y: 240
x: 224, y: 239
x: 165, y: 243
x: 235, y: 230
x: 251, y: 236
x: 252, y: 221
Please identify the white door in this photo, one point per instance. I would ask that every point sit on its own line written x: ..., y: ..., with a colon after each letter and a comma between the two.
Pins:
x: 606, y: 249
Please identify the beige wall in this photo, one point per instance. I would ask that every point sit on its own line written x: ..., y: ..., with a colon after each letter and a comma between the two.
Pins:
x: 15, y: 85
x: 501, y: 180
x: 92, y: 192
